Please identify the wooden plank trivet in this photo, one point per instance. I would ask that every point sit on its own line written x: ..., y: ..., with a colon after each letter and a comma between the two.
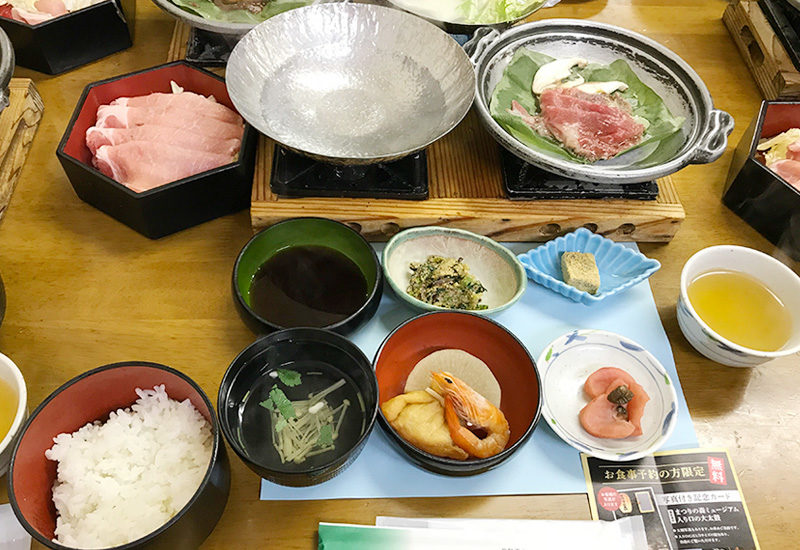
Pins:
x: 465, y: 181
x: 763, y: 53
x: 18, y: 124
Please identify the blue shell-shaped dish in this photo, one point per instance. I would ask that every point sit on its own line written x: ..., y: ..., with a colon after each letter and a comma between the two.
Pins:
x: 620, y: 267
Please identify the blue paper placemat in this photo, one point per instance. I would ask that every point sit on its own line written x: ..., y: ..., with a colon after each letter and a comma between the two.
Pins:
x: 545, y: 464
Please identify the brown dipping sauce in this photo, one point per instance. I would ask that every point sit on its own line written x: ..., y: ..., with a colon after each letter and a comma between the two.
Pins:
x: 307, y: 286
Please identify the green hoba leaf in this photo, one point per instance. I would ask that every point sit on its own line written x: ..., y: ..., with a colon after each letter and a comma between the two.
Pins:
x: 268, y: 404
x: 549, y: 354
x: 325, y: 436
x: 282, y: 402
x: 289, y: 377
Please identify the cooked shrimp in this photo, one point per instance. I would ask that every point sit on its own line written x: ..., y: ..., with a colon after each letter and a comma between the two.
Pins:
x: 467, y: 412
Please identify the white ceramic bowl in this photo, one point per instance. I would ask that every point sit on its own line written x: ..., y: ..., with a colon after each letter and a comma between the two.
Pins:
x: 781, y: 280
x: 570, y: 359
x: 10, y: 374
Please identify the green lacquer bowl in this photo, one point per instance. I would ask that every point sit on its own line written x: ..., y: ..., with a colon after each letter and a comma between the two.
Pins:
x: 306, y: 232
x: 494, y: 265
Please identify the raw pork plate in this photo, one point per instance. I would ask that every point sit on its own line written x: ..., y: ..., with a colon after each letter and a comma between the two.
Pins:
x: 148, y: 141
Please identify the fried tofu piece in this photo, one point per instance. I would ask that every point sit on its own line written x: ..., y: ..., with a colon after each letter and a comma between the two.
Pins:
x: 418, y: 417
x: 580, y: 271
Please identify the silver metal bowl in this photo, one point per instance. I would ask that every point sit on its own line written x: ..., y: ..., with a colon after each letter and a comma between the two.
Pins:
x: 6, y: 67
x: 705, y: 130
x: 350, y: 83
x: 454, y: 27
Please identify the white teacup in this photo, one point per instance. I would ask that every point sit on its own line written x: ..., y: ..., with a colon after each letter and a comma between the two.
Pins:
x: 781, y: 280
x: 10, y: 374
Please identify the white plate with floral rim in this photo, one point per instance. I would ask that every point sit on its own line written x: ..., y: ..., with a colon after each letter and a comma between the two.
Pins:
x: 567, y: 362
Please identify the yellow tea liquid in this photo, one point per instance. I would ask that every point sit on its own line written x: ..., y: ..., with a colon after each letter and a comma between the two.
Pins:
x: 741, y: 309
x: 8, y: 407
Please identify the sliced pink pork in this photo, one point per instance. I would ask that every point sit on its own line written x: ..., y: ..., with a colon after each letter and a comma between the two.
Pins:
x: 184, y: 100
x: 30, y: 17
x: 789, y: 170
x: 45, y: 10
x: 147, y: 141
x: 98, y: 137
x: 143, y: 165
x: 56, y: 8
x: 121, y: 116
x: 593, y: 126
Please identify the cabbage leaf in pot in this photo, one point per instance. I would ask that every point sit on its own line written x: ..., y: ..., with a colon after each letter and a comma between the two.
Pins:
x: 486, y: 12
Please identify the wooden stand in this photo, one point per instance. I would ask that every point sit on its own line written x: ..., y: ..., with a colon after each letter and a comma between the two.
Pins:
x: 763, y: 53
x: 465, y: 179
x: 466, y: 192
x: 18, y: 124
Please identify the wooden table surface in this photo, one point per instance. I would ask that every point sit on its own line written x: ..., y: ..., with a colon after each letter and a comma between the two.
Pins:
x: 84, y: 290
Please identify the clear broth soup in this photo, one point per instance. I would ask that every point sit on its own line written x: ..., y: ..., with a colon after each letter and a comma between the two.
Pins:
x: 256, y: 421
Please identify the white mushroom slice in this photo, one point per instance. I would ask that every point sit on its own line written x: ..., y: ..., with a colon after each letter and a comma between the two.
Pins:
x: 551, y: 74
x: 603, y: 87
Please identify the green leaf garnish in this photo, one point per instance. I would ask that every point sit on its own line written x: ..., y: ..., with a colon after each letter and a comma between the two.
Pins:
x: 280, y: 424
x: 325, y: 436
x: 282, y: 402
x: 268, y: 404
x: 289, y: 377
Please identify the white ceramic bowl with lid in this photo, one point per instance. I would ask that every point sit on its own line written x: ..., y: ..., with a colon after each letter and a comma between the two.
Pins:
x: 11, y: 375
x: 781, y: 280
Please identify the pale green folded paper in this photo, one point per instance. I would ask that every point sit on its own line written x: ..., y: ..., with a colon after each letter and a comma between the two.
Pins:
x: 483, y: 534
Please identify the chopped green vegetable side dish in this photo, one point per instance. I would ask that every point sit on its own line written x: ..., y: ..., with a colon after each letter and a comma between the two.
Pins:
x: 445, y: 282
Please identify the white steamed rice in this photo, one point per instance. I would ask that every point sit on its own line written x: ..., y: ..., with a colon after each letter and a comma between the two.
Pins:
x: 121, y: 480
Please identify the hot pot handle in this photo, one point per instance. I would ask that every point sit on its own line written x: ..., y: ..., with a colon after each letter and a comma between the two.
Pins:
x: 480, y: 41
x: 713, y: 144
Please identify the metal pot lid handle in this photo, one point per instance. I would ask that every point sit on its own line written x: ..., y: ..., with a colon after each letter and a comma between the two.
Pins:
x: 480, y: 42
x: 715, y: 141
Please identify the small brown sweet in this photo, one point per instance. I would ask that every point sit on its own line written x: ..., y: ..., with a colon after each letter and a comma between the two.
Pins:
x: 580, y: 271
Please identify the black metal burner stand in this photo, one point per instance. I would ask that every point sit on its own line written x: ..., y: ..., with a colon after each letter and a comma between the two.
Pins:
x: 523, y: 181
x: 295, y: 175
x: 209, y: 49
